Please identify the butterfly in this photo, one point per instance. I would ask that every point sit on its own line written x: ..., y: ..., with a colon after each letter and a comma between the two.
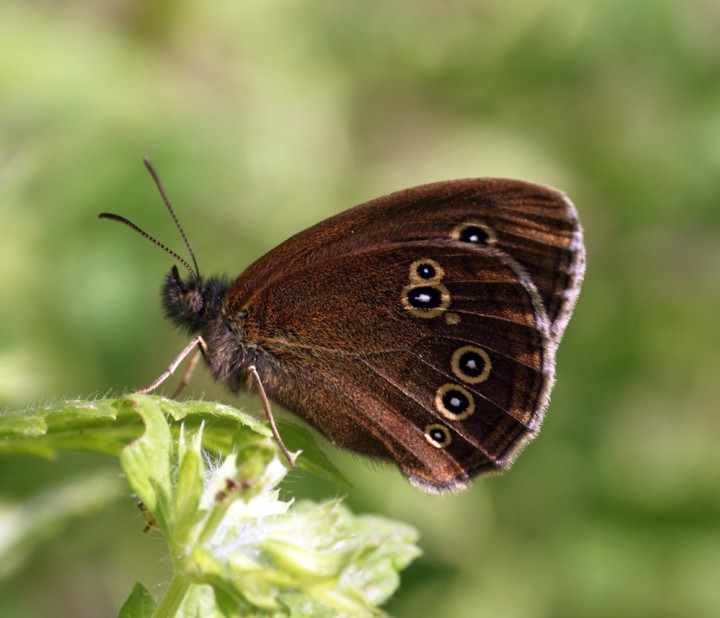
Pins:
x: 420, y: 327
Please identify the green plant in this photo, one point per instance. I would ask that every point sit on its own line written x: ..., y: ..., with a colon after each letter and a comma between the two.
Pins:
x: 206, y: 476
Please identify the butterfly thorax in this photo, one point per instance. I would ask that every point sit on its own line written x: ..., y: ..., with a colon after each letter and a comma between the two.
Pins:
x: 198, y: 307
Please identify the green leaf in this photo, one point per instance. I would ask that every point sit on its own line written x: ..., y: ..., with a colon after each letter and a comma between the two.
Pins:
x: 201, y: 602
x: 189, y: 484
x: 140, y: 604
x: 298, y: 438
x: 108, y: 425
x: 77, y: 424
x: 147, y: 461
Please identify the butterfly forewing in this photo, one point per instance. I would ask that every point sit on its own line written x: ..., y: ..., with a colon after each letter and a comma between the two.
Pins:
x: 535, y: 225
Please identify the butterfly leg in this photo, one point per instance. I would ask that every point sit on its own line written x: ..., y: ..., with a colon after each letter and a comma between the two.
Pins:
x: 196, y: 341
x: 269, y: 414
x: 188, y: 374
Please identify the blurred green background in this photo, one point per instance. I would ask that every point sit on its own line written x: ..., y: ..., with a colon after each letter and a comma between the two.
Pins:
x: 266, y: 117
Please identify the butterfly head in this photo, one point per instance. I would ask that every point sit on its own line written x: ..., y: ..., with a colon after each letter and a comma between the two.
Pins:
x: 192, y: 303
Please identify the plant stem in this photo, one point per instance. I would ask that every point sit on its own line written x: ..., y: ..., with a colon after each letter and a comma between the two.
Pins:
x: 214, y: 519
x: 173, y: 597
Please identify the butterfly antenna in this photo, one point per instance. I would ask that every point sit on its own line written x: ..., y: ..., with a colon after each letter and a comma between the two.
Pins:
x: 160, y: 187
x: 130, y: 224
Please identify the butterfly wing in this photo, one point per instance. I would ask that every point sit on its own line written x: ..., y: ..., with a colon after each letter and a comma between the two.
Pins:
x: 420, y: 327
x: 373, y: 357
x: 535, y: 225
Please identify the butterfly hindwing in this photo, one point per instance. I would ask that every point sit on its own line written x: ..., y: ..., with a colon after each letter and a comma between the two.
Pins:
x: 434, y: 348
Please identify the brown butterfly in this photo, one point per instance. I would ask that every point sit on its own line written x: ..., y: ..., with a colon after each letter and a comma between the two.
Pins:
x: 420, y: 327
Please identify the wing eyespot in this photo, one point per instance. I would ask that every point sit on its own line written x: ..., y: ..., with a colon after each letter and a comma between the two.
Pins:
x: 475, y: 233
x: 425, y: 270
x: 438, y: 435
x: 454, y: 402
x: 471, y: 364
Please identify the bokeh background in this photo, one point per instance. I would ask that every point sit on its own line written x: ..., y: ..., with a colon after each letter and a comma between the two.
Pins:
x: 266, y: 117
